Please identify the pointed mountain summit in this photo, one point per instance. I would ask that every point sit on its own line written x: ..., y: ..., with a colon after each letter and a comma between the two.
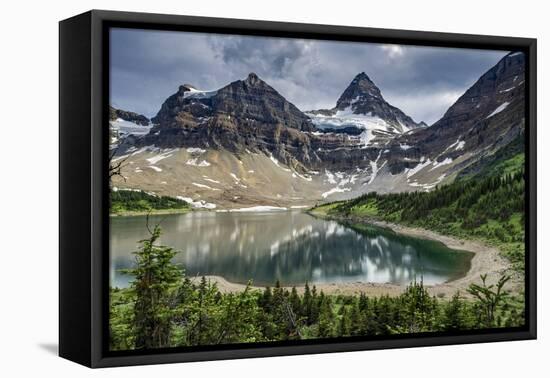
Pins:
x: 363, y: 97
x: 254, y: 99
x: 362, y: 110
x: 362, y: 88
x: 253, y: 79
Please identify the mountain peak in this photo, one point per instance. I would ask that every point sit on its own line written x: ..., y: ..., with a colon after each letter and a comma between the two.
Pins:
x: 361, y: 76
x: 252, y: 79
x: 363, y: 97
x: 252, y: 99
x: 186, y: 88
x: 361, y: 89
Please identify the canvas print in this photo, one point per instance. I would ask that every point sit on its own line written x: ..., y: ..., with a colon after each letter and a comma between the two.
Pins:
x: 276, y: 190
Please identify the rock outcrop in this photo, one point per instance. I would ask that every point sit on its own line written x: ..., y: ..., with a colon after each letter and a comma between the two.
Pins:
x: 138, y: 119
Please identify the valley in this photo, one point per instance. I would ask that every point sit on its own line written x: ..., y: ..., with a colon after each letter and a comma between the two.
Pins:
x: 291, y: 199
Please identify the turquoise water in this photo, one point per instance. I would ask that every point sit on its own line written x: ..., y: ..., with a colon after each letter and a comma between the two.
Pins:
x: 290, y: 246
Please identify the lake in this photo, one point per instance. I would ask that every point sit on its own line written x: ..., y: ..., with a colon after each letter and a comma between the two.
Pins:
x: 290, y: 246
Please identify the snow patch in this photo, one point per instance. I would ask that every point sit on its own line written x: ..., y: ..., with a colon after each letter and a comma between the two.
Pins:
x: 195, y: 162
x: 335, y: 190
x: 340, y: 179
x: 195, y: 150
x: 330, y: 177
x: 258, y: 209
x: 458, y: 145
x: 237, y: 180
x: 366, y: 137
x: 404, y: 127
x: 428, y: 187
x: 135, y: 151
x: 126, y: 128
x: 198, y: 94
x: 303, y: 177
x: 499, y: 109
x: 200, y: 204
x: 374, y: 168
x: 506, y: 90
x: 157, y: 169
x: 161, y: 156
x: 437, y: 164
x: 347, y: 118
x: 203, y: 186
x: 423, y: 163
x: 211, y: 180
x: 276, y: 162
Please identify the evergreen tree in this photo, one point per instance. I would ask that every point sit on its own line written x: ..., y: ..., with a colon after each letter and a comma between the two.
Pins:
x: 355, y: 322
x: 344, y: 328
x: 265, y: 317
x: 266, y: 300
x: 315, y: 305
x: 417, y: 310
x: 295, y: 302
x: 155, y: 277
x: 455, y: 317
x: 307, y: 304
x: 326, y: 317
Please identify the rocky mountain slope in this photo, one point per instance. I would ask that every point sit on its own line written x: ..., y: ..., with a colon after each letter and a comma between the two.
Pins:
x: 488, y: 116
x: 246, y: 145
x: 123, y: 123
x: 246, y: 115
x: 138, y: 119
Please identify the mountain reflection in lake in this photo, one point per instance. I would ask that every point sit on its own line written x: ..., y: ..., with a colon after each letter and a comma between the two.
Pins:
x: 289, y: 246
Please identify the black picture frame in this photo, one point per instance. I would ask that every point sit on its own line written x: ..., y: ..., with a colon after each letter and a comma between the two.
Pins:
x: 83, y: 200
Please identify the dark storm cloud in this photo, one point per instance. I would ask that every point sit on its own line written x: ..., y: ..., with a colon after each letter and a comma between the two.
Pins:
x: 271, y: 56
x: 148, y: 66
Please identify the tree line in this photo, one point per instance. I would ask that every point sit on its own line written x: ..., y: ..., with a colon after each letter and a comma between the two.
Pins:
x: 139, y: 201
x: 490, y: 207
x: 488, y: 198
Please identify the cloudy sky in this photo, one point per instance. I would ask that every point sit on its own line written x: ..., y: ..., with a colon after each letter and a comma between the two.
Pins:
x: 148, y: 66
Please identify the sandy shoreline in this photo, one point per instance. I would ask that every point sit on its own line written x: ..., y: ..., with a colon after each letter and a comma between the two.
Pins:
x: 486, y: 260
